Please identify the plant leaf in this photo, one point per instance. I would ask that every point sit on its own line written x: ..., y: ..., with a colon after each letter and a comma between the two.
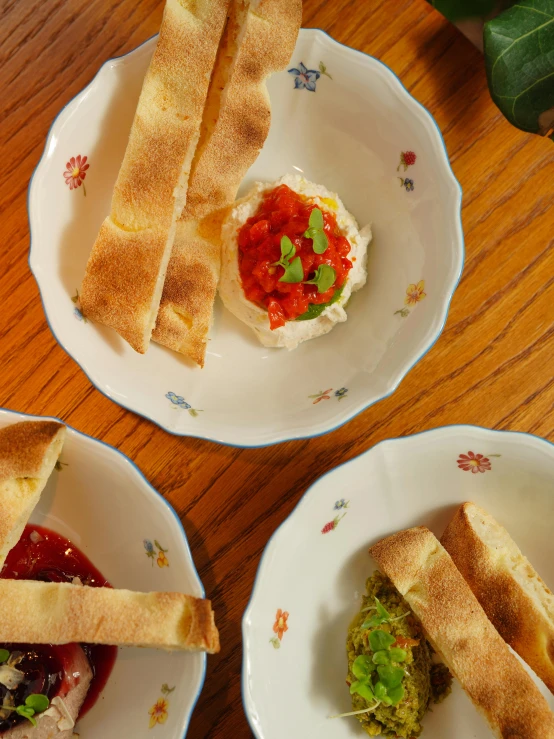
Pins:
x: 4, y: 655
x: 362, y: 667
x: 287, y: 248
x: 37, y: 702
x: 294, y: 271
x: 455, y: 10
x: 320, y: 242
x: 362, y: 688
x: 396, y: 694
x: 382, y: 657
x: 380, y: 640
x: 520, y: 64
x: 316, y: 309
x: 324, y: 278
x: 391, y: 677
x: 316, y: 219
x: 397, y: 654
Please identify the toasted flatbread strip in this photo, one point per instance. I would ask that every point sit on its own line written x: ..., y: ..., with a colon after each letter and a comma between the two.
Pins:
x: 459, y: 630
x: 504, y: 582
x: 59, y: 613
x: 28, y: 452
x: 126, y: 269
x: 259, y: 40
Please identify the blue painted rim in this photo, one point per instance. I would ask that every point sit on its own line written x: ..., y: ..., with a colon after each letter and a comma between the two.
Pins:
x: 536, y: 439
x: 166, y: 504
x: 284, y: 438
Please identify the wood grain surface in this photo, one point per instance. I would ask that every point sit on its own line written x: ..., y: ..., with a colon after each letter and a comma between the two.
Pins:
x: 492, y: 365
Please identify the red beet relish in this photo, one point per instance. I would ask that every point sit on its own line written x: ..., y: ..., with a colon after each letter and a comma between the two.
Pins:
x: 284, y: 212
x: 53, y: 558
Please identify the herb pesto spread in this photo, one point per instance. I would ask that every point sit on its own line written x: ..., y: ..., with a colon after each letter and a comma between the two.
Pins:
x: 390, y: 673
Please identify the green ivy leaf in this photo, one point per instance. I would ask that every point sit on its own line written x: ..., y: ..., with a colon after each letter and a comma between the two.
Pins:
x: 294, y: 271
x: 324, y: 278
x: 380, y: 640
x: 456, y: 10
x: 519, y: 57
x: 316, y: 309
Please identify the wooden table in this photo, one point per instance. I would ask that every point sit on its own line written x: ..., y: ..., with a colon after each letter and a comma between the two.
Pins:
x: 492, y: 366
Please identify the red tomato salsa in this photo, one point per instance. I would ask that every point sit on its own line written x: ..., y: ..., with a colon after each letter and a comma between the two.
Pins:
x: 284, y: 212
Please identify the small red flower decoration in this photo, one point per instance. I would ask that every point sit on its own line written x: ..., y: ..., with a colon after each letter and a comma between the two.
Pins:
x: 76, y: 172
x: 407, y: 159
x: 332, y: 525
x: 474, y: 463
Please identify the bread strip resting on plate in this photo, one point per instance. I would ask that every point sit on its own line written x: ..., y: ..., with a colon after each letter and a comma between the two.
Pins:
x: 259, y: 39
x: 28, y: 453
x: 511, y: 592
x: 126, y: 269
x: 60, y: 613
x: 459, y: 630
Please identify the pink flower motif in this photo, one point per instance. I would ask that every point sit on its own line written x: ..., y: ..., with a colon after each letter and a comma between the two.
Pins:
x: 474, y: 463
x: 76, y: 171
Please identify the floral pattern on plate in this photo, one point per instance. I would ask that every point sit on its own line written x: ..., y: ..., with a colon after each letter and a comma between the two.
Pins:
x: 306, y: 79
x: 325, y: 394
x: 159, y: 556
x: 415, y: 293
x: 475, y: 463
x: 77, y: 310
x: 332, y: 525
x: 279, y: 628
x: 75, y: 172
x: 179, y: 402
x: 159, y: 711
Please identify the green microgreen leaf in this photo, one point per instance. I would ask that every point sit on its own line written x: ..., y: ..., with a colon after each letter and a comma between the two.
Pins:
x: 382, y: 657
x: 4, y: 655
x: 391, y: 677
x: 380, y: 691
x: 288, y: 249
x: 397, y: 654
x: 362, y: 667
x: 316, y: 233
x: 363, y: 689
x: 396, y: 694
x: 380, y: 616
x: 324, y: 278
x: 316, y: 309
x: 380, y: 640
x: 294, y: 271
x: 38, y: 702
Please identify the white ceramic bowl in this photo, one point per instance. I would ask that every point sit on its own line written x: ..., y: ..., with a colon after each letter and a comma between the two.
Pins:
x: 348, y: 134
x: 315, y: 567
x: 102, y: 502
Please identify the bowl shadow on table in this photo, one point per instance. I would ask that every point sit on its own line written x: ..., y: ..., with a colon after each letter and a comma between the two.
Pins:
x: 89, y: 211
x: 330, y: 662
x: 219, y: 666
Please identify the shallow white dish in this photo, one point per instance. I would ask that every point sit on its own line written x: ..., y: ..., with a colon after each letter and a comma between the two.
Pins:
x: 347, y: 134
x: 102, y: 502
x: 315, y: 567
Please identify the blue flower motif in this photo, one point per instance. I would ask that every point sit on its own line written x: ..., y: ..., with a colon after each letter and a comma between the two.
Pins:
x: 408, y: 184
x: 148, y: 546
x: 78, y: 315
x: 341, y: 392
x: 178, y: 400
x: 342, y: 503
x: 304, y: 78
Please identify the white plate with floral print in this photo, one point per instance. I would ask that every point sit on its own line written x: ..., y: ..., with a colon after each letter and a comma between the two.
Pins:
x: 345, y: 121
x: 102, y: 502
x: 313, y: 571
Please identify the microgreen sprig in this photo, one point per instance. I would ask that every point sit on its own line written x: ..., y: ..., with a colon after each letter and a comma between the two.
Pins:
x: 35, y: 703
x: 4, y: 655
x: 381, y: 616
x: 291, y: 264
x: 316, y: 233
x: 324, y: 278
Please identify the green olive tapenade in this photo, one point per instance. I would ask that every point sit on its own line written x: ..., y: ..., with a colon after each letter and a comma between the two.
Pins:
x: 389, y: 665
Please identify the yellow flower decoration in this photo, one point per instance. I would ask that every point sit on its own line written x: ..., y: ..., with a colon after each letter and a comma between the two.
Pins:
x: 158, y: 712
x: 162, y: 559
x: 415, y: 293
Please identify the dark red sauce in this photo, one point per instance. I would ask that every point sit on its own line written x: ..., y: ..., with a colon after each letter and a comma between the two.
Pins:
x: 284, y: 212
x: 53, y: 558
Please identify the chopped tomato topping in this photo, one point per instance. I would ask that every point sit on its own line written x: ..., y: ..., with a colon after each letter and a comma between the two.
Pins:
x: 284, y: 212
